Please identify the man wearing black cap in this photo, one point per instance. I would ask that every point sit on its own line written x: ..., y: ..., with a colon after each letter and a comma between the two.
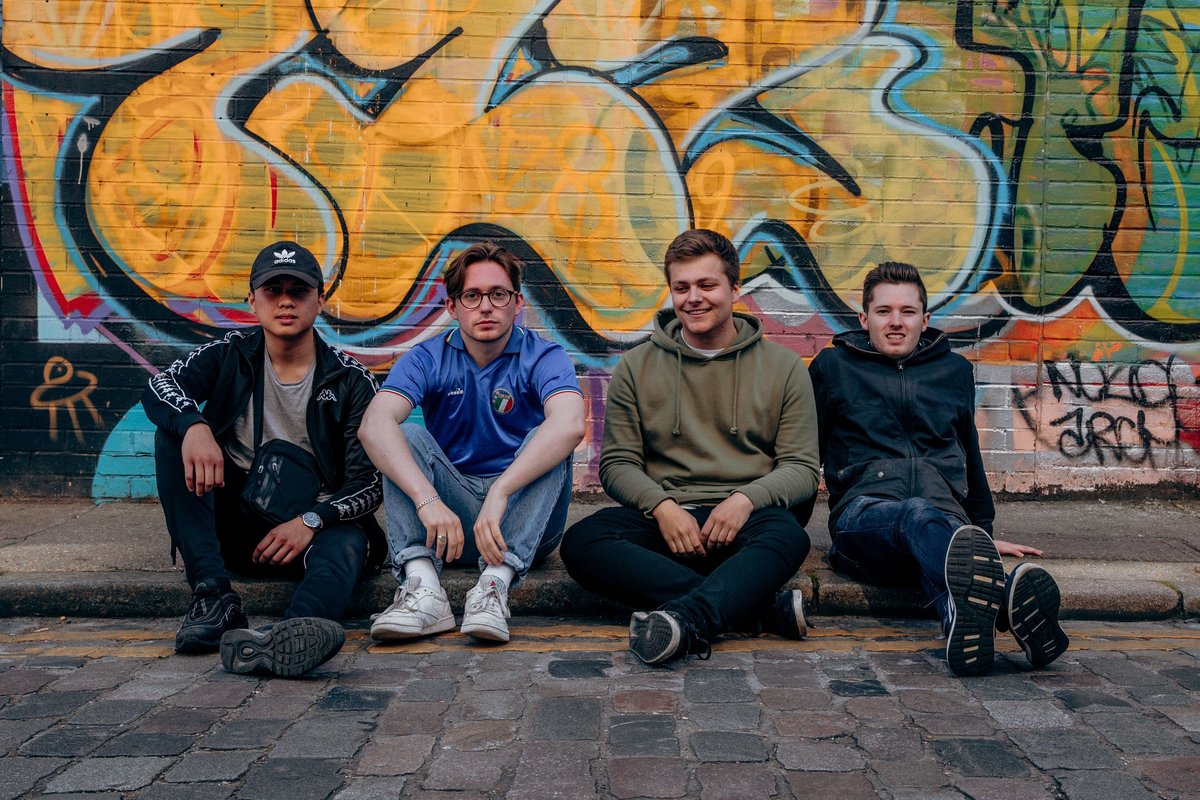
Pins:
x: 277, y: 400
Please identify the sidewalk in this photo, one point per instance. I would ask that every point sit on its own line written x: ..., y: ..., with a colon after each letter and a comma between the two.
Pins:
x: 1113, y: 560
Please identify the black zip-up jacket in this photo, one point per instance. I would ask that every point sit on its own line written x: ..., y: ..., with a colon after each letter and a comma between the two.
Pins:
x: 223, y: 375
x: 900, y: 429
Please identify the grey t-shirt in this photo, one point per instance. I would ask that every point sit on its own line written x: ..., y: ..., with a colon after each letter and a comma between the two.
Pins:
x: 285, y: 407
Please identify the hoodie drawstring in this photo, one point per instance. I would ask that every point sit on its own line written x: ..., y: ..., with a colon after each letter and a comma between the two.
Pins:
x: 737, y: 375
x: 678, y: 391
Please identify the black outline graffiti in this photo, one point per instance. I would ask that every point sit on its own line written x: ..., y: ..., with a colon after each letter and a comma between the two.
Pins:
x: 1084, y: 431
x: 1102, y: 276
x: 330, y: 63
x: 108, y: 88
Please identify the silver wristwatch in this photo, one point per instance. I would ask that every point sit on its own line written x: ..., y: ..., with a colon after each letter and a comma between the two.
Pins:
x: 312, y: 519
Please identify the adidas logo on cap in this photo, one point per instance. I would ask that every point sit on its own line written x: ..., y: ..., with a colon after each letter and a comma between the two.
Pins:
x: 285, y: 258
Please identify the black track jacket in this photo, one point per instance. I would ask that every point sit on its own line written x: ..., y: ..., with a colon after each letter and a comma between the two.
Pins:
x: 223, y: 374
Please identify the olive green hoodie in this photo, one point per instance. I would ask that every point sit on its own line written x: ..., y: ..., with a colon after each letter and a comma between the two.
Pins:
x: 679, y: 425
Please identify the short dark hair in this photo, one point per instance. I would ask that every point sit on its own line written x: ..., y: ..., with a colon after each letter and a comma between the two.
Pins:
x: 700, y: 242
x: 456, y: 274
x: 893, y: 272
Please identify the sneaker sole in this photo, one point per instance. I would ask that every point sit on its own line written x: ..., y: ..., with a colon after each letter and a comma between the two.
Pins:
x: 975, y: 580
x: 798, y: 612
x: 481, y: 630
x: 389, y: 631
x: 1033, y: 604
x: 289, y: 649
x: 195, y: 645
x: 652, y: 639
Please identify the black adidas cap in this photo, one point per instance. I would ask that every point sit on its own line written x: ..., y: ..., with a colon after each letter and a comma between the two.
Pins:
x: 285, y: 258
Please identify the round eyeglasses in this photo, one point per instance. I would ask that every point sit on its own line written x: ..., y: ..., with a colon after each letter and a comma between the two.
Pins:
x: 499, y: 297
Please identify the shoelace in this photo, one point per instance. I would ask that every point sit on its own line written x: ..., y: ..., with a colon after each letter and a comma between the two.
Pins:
x: 200, y: 605
x: 487, y: 600
x: 698, y: 646
x: 406, y: 600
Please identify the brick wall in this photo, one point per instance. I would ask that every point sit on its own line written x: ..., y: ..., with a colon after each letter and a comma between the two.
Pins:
x: 1036, y: 159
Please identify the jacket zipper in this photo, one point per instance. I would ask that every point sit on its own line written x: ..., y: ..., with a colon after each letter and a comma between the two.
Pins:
x: 905, y: 407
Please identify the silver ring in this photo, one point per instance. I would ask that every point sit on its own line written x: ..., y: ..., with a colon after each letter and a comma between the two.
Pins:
x: 441, y: 538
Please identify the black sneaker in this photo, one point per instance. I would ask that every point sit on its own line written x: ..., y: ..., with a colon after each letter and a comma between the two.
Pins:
x: 212, y: 612
x: 288, y: 649
x: 975, y: 581
x: 659, y: 636
x: 1033, y: 602
x: 785, y: 616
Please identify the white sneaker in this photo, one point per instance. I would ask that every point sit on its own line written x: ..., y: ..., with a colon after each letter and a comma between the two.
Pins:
x: 416, y: 610
x: 485, y: 611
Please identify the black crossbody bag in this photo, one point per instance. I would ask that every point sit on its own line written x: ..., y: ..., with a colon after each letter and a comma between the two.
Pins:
x: 283, y: 481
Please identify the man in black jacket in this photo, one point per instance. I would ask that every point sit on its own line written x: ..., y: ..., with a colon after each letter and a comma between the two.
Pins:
x: 261, y: 387
x: 908, y: 495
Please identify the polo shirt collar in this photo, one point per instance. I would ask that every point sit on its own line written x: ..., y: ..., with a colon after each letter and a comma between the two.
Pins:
x: 455, y: 340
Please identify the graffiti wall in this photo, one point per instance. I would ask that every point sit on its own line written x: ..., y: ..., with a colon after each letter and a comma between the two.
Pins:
x: 1036, y: 158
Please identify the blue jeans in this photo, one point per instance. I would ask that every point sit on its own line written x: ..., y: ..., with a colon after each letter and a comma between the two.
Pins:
x: 532, y: 524
x: 896, y: 542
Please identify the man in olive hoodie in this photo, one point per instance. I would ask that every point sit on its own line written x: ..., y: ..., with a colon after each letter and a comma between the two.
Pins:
x: 710, y: 437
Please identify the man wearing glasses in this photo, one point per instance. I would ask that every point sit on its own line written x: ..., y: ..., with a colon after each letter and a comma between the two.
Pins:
x: 503, y: 412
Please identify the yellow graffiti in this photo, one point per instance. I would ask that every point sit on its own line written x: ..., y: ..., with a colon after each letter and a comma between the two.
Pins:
x: 60, y: 389
x: 584, y: 171
x: 995, y: 148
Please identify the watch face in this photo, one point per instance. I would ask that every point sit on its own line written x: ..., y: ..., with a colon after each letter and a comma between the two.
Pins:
x: 311, y: 519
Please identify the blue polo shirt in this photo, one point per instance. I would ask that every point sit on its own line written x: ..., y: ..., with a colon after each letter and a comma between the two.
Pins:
x: 480, y: 416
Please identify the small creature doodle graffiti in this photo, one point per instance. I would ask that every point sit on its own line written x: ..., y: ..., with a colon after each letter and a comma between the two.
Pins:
x: 65, y: 388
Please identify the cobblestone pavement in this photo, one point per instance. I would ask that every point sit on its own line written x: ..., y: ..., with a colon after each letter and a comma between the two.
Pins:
x: 864, y: 708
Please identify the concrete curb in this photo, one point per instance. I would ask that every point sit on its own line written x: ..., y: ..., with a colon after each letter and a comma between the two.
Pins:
x: 1160, y: 592
x: 1113, y: 561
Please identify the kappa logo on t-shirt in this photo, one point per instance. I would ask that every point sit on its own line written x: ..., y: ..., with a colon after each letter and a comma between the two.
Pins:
x: 326, y: 394
x: 502, y: 401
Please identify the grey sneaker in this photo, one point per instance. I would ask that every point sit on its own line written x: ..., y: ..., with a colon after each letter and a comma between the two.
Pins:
x: 288, y: 649
x: 416, y: 610
x: 486, y: 610
x: 1033, y: 602
x: 656, y: 637
x: 975, y: 581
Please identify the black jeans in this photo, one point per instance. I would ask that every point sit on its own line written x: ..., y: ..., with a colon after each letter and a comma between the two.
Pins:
x: 620, y: 553
x: 214, y: 534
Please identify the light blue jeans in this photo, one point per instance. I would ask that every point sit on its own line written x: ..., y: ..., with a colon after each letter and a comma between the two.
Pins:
x: 532, y: 525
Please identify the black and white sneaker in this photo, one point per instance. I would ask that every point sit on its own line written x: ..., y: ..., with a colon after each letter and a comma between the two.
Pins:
x: 1033, y: 602
x: 213, y: 611
x: 785, y: 616
x: 975, y: 581
x: 288, y: 648
x: 656, y: 637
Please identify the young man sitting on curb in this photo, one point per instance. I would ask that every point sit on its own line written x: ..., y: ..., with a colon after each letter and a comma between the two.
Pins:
x: 710, y: 436
x: 908, y: 496
x: 503, y: 413
x: 277, y: 400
